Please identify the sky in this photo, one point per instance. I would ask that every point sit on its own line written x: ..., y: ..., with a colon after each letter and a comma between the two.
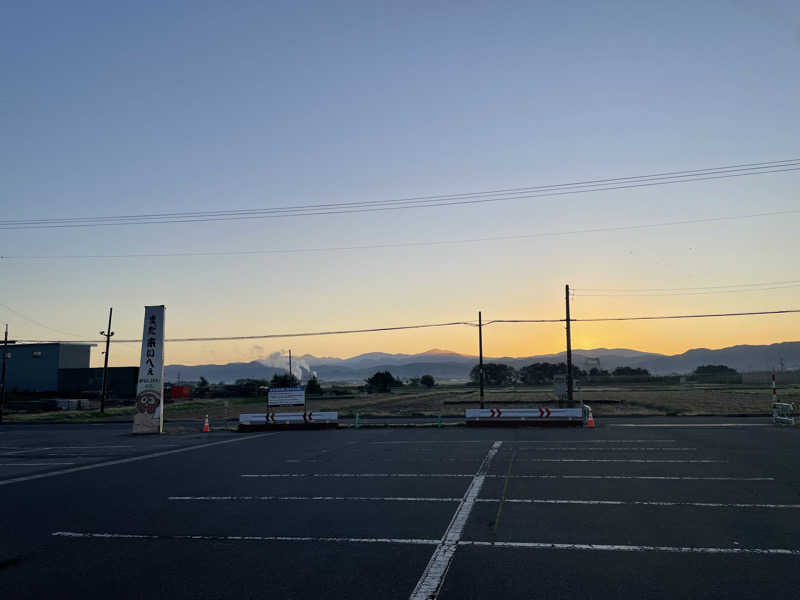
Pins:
x: 132, y: 108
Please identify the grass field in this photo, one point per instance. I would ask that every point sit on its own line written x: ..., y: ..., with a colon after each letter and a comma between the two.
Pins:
x: 685, y: 400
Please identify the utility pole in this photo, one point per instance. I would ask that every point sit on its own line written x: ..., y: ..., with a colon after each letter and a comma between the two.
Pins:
x: 290, y: 364
x: 480, y: 353
x: 3, y: 375
x: 107, y: 334
x: 569, y: 353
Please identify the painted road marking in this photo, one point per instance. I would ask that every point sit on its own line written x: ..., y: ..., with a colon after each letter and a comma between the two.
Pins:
x: 23, y: 450
x: 612, y: 449
x: 315, y: 498
x: 432, y: 577
x: 624, y: 460
x: 629, y: 548
x: 30, y: 464
x: 489, y: 475
x: 359, y: 475
x: 130, y: 459
x: 640, y: 503
x: 690, y: 425
x: 426, y: 459
x: 590, y: 441
x: 243, y: 538
x: 456, y: 442
x: 426, y: 542
x: 644, y: 477
x: 59, y: 448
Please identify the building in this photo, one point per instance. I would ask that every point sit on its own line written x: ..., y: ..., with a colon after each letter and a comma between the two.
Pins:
x: 86, y: 383
x: 36, y: 367
x: 62, y: 369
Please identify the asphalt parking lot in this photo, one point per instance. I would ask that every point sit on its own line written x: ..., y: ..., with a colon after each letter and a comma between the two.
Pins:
x: 640, y: 508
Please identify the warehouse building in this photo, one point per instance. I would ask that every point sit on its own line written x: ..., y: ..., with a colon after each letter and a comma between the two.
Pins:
x: 36, y: 367
x: 62, y: 369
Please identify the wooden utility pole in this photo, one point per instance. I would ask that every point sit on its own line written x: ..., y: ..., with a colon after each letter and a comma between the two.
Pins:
x: 480, y: 353
x: 3, y: 375
x: 107, y: 334
x: 569, y: 353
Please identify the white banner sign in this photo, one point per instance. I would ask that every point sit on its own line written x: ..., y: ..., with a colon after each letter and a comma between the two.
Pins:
x: 290, y: 396
x: 149, y: 417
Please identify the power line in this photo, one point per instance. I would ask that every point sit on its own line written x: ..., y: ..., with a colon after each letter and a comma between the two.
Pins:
x: 271, y: 335
x: 701, y: 316
x: 703, y: 287
x: 526, y: 236
x: 35, y: 322
x: 429, y: 325
x: 414, y: 202
x: 703, y: 293
x: 670, y: 174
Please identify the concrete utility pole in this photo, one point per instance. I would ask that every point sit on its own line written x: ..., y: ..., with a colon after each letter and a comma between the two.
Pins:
x: 108, y: 333
x: 3, y: 375
x: 569, y: 353
x: 480, y: 353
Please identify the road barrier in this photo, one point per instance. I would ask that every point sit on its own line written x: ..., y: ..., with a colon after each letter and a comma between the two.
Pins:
x: 531, y: 416
x: 313, y: 419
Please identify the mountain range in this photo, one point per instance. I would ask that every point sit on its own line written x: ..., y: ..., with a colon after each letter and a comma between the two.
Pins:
x: 447, y: 365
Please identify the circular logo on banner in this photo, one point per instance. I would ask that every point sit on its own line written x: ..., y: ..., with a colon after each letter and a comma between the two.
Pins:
x: 147, y: 401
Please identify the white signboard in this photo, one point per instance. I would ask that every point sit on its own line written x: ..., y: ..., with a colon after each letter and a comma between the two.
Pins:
x: 149, y: 417
x: 289, y: 396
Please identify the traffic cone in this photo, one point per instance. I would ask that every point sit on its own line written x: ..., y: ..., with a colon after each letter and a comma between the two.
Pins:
x: 590, y: 421
x: 206, y: 429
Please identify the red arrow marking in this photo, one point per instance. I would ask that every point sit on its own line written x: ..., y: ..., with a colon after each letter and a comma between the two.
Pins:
x: 499, y: 412
x: 541, y: 412
x: 491, y: 412
x: 548, y: 411
x: 309, y: 415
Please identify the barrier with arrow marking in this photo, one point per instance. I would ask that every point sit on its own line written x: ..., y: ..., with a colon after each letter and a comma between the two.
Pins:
x: 250, y: 420
x: 566, y: 415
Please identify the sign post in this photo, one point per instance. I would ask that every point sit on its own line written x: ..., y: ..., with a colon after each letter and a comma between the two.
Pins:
x: 149, y: 417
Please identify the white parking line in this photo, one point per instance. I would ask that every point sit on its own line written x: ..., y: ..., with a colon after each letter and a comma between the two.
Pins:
x: 278, y: 475
x: 507, y: 442
x: 589, y: 441
x: 640, y: 503
x: 24, y: 450
x: 314, y: 498
x: 432, y: 577
x: 452, y: 442
x: 130, y: 459
x: 623, y: 460
x: 643, y: 477
x: 35, y: 464
x: 612, y: 449
x: 242, y: 538
x: 489, y: 475
x: 427, y: 542
x: 690, y: 425
x: 630, y: 548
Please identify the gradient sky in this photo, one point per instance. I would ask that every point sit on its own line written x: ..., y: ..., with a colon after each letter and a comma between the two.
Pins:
x: 125, y: 108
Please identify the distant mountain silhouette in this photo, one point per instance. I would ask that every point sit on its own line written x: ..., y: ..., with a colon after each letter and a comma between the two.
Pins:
x: 444, y: 364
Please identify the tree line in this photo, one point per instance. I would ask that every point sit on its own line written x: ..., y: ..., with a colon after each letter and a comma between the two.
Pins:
x: 542, y: 373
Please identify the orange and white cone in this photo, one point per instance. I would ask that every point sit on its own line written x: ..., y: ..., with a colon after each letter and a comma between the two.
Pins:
x: 206, y: 428
x: 590, y: 421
